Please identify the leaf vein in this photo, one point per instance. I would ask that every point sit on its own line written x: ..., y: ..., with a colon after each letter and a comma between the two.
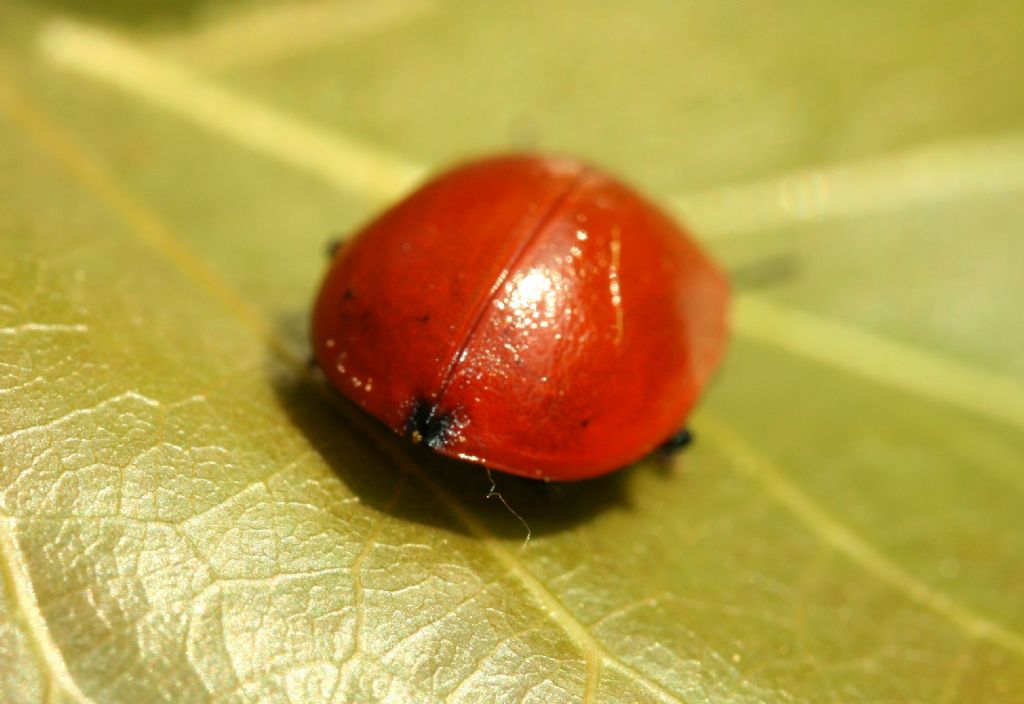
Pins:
x: 15, y: 574
x: 833, y: 533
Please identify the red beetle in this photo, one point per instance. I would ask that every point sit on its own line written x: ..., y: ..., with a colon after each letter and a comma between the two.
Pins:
x: 530, y: 314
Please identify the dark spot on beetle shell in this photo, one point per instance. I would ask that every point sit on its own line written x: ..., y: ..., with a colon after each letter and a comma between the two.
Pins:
x: 424, y: 318
x: 349, y: 294
x: 427, y: 425
x: 584, y: 423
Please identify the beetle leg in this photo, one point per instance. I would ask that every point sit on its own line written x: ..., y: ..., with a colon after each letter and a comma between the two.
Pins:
x: 334, y: 245
x: 546, y: 487
x: 676, y: 442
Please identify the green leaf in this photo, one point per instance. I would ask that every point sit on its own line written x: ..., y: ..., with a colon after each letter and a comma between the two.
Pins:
x: 186, y: 514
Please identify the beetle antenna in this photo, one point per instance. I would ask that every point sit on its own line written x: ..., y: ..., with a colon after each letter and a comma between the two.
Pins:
x: 493, y: 492
x: 765, y: 272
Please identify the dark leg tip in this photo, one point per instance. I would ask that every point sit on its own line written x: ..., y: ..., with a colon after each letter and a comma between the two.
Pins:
x: 334, y: 245
x: 676, y: 442
x: 545, y: 488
